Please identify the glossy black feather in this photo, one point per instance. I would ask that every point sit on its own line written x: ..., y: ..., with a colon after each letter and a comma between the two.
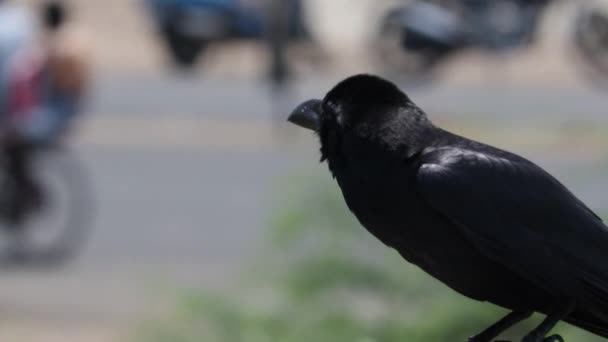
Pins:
x: 486, y: 222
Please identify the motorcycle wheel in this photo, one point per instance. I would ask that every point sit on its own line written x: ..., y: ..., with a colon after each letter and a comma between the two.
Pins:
x: 394, y: 59
x: 184, y: 51
x: 590, y: 40
x: 55, y: 229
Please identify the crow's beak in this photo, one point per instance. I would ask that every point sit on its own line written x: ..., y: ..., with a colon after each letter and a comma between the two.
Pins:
x: 307, y: 115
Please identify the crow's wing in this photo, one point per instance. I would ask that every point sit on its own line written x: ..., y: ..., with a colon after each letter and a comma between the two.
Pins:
x: 521, y: 217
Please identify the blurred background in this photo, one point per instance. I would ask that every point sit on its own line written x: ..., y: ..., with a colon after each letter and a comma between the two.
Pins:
x: 210, y: 219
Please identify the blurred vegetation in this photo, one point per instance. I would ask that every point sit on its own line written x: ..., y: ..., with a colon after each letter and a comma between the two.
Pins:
x: 323, y: 278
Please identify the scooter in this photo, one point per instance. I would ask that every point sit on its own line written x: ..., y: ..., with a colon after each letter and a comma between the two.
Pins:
x: 417, y: 37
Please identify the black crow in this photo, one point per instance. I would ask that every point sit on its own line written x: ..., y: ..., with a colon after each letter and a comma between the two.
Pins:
x: 488, y: 223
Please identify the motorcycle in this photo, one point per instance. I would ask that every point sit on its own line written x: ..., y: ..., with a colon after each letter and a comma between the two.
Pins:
x: 590, y: 38
x: 44, y: 220
x: 50, y: 226
x: 189, y: 26
x: 416, y: 38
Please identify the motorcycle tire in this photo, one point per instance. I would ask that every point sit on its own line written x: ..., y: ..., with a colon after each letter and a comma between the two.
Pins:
x: 394, y: 57
x: 184, y: 51
x: 590, y: 40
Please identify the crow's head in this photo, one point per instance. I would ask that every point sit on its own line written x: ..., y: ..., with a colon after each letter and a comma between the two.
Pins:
x: 362, y: 114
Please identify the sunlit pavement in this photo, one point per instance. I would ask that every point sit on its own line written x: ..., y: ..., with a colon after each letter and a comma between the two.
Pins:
x: 185, y: 172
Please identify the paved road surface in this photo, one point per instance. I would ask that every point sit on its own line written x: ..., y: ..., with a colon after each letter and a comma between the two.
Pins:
x: 228, y: 99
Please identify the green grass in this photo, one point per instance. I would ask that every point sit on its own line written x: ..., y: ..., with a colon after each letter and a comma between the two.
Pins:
x: 321, y: 277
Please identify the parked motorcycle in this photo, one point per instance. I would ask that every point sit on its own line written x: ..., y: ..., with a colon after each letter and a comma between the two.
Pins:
x: 189, y: 26
x: 417, y: 37
x: 591, y: 38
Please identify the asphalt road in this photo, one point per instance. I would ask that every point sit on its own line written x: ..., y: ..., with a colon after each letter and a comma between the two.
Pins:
x: 185, y: 171
x: 248, y: 99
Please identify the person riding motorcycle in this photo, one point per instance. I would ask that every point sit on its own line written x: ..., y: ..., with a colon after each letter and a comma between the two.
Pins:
x: 46, y: 84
